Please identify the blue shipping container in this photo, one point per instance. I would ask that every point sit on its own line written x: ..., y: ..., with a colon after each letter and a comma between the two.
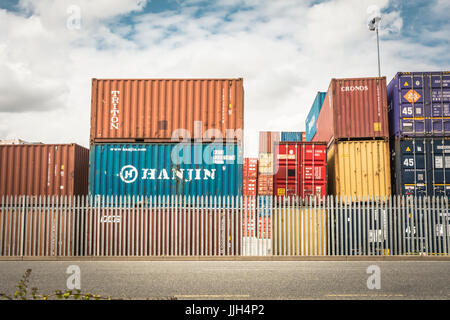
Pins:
x: 419, y: 104
x: 311, y: 119
x: 421, y: 166
x: 292, y: 136
x: 166, y: 169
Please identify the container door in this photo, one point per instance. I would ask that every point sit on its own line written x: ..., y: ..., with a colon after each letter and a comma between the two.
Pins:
x: 439, y: 168
x: 439, y: 99
x: 313, y: 170
x: 413, y: 110
x: 288, y: 175
x: 412, y: 167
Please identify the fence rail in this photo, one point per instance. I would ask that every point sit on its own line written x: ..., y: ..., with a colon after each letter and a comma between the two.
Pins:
x: 223, y: 226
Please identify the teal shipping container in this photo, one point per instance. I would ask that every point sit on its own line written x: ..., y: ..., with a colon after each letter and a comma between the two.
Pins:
x: 166, y: 169
x: 313, y: 115
x: 292, y: 136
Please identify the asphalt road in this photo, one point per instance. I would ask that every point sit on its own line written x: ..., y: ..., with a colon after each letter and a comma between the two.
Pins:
x: 239, y: 279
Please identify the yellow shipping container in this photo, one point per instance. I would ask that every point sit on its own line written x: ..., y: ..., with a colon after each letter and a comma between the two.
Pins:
x: 265, y: 163
x: 299, y: 232
x: 359, y: 169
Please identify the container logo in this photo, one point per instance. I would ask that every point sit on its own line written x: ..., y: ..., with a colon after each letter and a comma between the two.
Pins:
x: 115, y: 110
x: 354, y: 88
x: 412, y: 96
x: 128, y: 174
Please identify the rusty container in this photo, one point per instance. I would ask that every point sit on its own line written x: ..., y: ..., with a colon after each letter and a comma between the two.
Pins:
x: 354, y: 109
x: 164, y: 110
x: 43, y: 169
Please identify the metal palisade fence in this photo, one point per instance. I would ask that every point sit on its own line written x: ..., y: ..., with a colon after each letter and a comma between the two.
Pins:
x: 223, y: 226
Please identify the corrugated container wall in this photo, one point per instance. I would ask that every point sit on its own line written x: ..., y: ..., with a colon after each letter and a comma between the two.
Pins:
x: 311, y: 119
x: 166, y: 169
x: 251, y: 167
x: 419, y: 104
x: 265, y: 185
x: 267, y: 140
x: 250, y: 177
x: 152, y: 110
x: 302, y: 169
x: 421, y: 166
x: 43, y: 170
x: 292, y: 136
x: 353, y: 108
x: 359, y: 169
x: 265, y: 164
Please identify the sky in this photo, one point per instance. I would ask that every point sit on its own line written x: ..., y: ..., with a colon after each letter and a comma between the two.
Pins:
x: 285, y: 50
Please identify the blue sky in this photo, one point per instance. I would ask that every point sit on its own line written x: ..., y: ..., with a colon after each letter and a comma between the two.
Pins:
x: 286, y: 51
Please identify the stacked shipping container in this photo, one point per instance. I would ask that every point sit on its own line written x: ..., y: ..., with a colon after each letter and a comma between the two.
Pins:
x: 169, y: 137
x: 311, y: 119
x: 267, y: 140
x: 136, y: 128
x: 302, y: 169
x: 419, y: 115
x: 353, y: 122
x: 296, y: 136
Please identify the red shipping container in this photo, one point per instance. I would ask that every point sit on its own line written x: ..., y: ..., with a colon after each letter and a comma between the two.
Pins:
x: 302, y: 169
x: 265, y: 185
x: 354, y: 108
x: 43, y: 170
x: 267, y: 140
x: 251, y: 167
x: 153, y: 110
x: 249, y: 186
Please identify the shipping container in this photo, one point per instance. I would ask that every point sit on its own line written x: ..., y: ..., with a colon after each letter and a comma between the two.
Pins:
x: 359, y: 169
x: 251, y: 167
x: 419, y: 104
x: 265, y: 185
x: 363, y: 230
x: 164, y: 110
x: 249, y: 186
x: 353, y: 109
x: 311, y: 119
x: 300, y: 231
x: 265, y: 163
x: 302, y: 169
x: 267, y: 140
x: 292, y: 136
x: 48, y: 230
x: 166, y: 169
x: 43, y: 169
x: 249, y: 216
x: 421, y: 166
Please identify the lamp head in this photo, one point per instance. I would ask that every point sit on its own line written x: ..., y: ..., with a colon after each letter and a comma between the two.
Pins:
x: 374, y: 23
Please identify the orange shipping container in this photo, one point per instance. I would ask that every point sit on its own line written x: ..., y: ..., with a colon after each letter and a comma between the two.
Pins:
x: 249, y: 186
x: 43, y: 169
x: 250, y: 167
x: 151, y: 110
x: 353, y: 108
x: 265, y: 185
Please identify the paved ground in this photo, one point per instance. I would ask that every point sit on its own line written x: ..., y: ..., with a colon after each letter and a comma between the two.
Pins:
x: 239, y: 279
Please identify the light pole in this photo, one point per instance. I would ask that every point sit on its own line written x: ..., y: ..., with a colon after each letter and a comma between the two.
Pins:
x: 373, y: 26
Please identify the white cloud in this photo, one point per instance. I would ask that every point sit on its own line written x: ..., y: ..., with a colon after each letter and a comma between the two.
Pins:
x: 286, y: 51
